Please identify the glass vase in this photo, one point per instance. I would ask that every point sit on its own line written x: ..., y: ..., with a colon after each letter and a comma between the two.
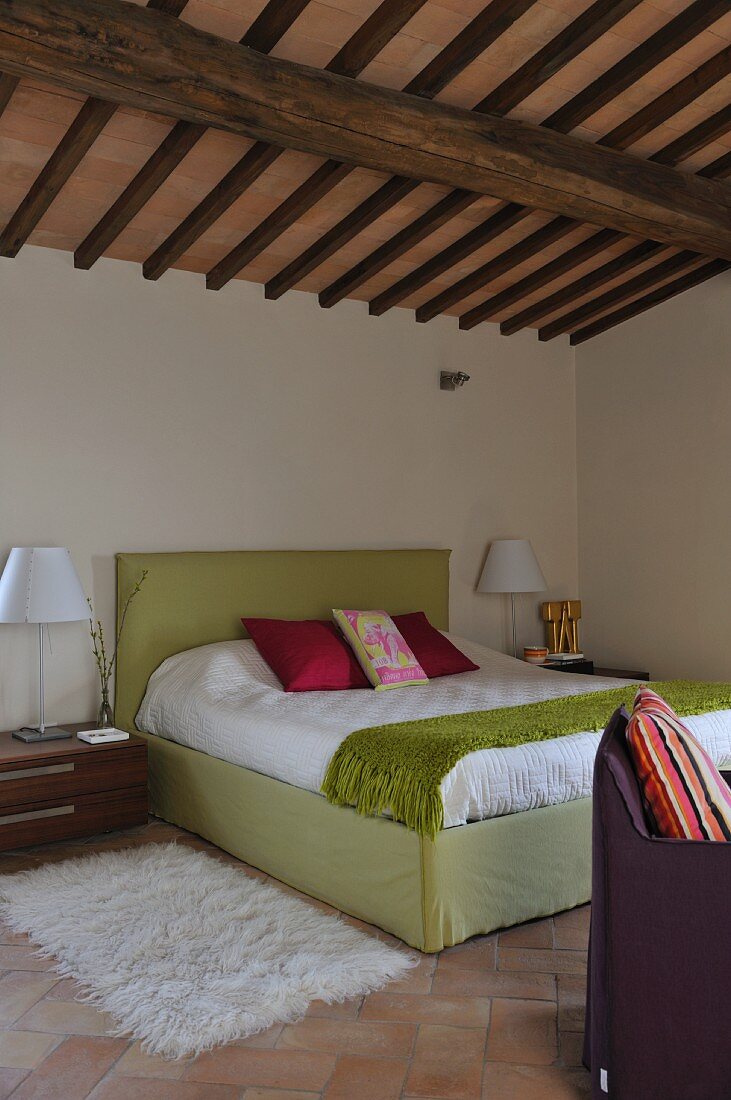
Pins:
x: 105, y: 717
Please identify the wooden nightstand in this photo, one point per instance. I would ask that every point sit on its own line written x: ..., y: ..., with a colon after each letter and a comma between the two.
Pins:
x: 588, y: 668
x: 622, y: 673
x: 67, y: 789
x: 584, y: 667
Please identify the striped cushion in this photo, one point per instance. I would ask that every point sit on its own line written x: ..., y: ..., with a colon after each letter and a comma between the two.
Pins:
x: 686, y: 794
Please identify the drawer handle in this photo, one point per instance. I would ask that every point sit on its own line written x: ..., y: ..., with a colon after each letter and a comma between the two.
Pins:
x: 28, y: 773
x: 35, y: 815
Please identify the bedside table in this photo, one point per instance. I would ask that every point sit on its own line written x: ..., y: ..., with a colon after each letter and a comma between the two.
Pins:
x: 622, y: 673
x: 64, y: 789
x: 585, y: 667
x: 588, y: 668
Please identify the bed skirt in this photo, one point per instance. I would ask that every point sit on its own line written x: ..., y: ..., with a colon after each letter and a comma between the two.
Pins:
x: 431, y: 894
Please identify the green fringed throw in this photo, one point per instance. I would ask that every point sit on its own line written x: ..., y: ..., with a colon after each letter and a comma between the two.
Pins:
x: 400, y: 767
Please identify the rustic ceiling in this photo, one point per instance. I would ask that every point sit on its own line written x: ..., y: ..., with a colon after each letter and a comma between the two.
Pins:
x: 652, y: 78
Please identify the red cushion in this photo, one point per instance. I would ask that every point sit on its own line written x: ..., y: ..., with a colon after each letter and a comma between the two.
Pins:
x: 435, y: 653
x: 306, y: 654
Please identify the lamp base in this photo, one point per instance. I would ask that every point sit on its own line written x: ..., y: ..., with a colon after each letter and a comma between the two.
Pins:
x: 51, y: 733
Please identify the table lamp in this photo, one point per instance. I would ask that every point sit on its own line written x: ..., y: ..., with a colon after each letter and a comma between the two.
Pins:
x: 40, y: 585
x: 511, y: 566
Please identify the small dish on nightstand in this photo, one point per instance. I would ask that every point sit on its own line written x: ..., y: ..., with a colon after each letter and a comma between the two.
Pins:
x: 102, y: 737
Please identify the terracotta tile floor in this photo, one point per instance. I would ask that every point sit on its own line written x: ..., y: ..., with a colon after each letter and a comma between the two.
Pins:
x: 498, y: 1018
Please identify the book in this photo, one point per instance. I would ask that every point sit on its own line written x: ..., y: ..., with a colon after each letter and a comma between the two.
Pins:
x: 565, y: 658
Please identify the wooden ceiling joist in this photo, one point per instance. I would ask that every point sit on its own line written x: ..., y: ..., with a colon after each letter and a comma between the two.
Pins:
x: 634, y: 128
x: 272, y: 23
x: 569, y: 43
x: 580, y: 254
x: 78, y: 139
x: 686, y: 26
x: 76, y: 143
x: 8, y: 84
x: 656, y: 226
x: 701, y: 135
x: 719, y: 169
x: 385, y: 22
x: 661, y: 294
x: 577, y: 318
x: 393, y: 191
x: 402, y: 242
x: 676, y: 151
x: 484, y: 29
x: 631, y: 68
x: 550, y: 59
x: 669, y: 103
x: 555, y: 230
x: 503, y: 219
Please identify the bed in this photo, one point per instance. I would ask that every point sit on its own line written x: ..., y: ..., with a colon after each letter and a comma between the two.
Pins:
x: 530, y: 860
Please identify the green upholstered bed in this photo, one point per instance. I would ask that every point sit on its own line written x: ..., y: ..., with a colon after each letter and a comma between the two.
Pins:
x: 472, y: 879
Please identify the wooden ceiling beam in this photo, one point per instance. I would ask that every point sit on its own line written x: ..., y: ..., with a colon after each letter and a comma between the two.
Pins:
x: 566, y: 45
x: 699, y: 137
x: 295, y: 206
x: 58, y: 169
x: 488, y: 25
x: 394, y: 190
x: 634, y: 128
x: 577, y: 317
x: 669, y: 103
x: 143, y: 59
x: 498, y: 265
x: 367, y: 42
x: 504, y: 218
x: 659, y: 295
x: 65, y: 159
x: 550, y: 59
x: 8, y: 84
x: 443, y: 211
x: 651, y: 52
x: 272, y: 22
x: 719, y: 170
x: 595, y: 306
x: 581, y: 33
x: 673, y: 153
x: 168, y: 7
x: 484, y: 29
x: 567, y: 295
x: 580, y: 316
x: 390, y: 17
x: 581, y: 254
x: 648, y: 54
x: 659, y: 47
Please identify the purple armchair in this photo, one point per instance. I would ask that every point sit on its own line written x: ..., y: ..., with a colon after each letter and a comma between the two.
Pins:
x: 658, y: 1009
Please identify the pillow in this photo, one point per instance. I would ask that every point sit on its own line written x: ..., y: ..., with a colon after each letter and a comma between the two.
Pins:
x: 435, y: 653
x: 306, y: 655
x: 382, y: 652
x: 684, y: 791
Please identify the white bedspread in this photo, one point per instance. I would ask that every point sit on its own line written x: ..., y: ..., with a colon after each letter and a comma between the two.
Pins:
x: 224, y: 700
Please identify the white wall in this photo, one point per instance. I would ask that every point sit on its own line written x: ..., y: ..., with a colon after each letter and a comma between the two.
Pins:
x: 654, y: 460
x: 159, y: 416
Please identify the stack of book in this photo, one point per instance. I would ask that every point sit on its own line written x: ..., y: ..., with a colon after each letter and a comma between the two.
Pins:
x: 564, y: 658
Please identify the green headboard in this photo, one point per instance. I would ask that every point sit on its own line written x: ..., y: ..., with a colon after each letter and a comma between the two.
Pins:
x: 191, y: 599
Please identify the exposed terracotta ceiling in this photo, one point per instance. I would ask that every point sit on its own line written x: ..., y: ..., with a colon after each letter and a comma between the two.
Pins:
x: 666, y: 95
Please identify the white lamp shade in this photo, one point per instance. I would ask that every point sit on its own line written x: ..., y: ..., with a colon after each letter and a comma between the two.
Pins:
x: 41, y: 585
x: 511, y: 566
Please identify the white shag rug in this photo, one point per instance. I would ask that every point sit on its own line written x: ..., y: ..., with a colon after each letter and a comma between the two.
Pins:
x: 187, y: 952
